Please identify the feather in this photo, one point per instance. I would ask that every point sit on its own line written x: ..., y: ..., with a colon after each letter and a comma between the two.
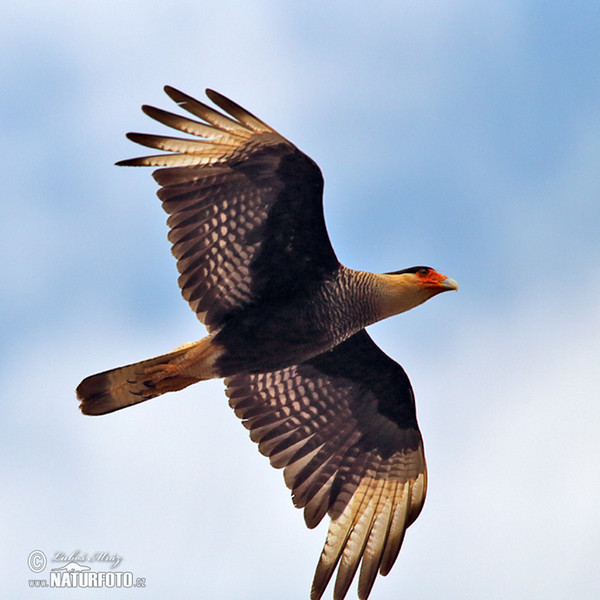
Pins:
x: 199, y: 109
x: 190, y: 126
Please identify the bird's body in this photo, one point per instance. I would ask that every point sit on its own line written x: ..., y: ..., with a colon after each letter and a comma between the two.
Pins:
x: 304, y: 326
x: 285, y: 327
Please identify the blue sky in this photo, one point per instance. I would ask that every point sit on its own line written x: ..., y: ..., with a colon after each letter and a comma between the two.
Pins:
x: 463, y: 135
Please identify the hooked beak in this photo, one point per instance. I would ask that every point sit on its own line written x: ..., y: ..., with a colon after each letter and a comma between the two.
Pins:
x: 449, y: 284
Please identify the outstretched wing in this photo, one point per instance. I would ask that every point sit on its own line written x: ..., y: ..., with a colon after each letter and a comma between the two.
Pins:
x: 343, y: 427
x: 246, y: 215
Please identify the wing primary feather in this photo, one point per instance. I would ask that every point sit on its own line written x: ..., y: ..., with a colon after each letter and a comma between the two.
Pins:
x: 418, y: 492
x: 376, y: 543
x: 245, y: 117
x: 397, y: 529
x: 355, y: 546
x: 163, y: 160
x: 215, y: 118
x: 207, y: 148
x: 190, y: 126
x: 338, y: 535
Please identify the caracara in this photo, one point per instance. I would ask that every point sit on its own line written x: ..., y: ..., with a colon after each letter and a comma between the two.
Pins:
x: 286, y: 329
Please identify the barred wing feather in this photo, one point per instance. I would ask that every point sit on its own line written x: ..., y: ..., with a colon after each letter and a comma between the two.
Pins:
x: 343, y: 427
x: 246, y: 208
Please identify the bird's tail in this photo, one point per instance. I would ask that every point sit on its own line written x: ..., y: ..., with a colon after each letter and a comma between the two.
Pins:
x: 111, y: 390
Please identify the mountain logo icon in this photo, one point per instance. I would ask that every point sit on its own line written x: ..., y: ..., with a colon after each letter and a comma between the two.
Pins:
x: 73, y: 567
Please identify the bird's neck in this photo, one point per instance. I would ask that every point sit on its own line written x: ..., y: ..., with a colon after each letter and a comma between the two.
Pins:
x: 397, y: 293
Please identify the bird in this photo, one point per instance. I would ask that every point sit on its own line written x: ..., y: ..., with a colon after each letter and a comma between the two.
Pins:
x: 285, y: 325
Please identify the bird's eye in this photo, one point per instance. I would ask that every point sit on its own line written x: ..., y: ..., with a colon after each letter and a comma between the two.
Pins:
x: 423, y: 271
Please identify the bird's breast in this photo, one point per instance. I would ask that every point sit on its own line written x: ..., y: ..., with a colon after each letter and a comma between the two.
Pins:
x: 277, y: 333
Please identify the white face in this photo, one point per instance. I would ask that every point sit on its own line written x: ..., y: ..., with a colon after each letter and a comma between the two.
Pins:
x: 405, y: 290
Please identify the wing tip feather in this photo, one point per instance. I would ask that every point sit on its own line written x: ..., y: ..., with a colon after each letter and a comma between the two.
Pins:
x: 175, y: 94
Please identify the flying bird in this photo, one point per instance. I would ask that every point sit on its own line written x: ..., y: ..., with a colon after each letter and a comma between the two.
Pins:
x: 286, y: 330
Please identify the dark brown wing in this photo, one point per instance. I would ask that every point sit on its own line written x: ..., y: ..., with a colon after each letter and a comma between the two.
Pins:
x: 343, y: 426
x: 245, y: 205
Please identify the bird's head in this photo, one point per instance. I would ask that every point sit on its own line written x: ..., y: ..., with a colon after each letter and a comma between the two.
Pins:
x: 407, y: 288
